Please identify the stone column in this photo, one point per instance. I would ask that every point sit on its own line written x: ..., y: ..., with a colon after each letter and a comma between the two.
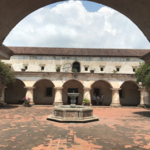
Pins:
x: 144, y: 97
x: 2, y: 99
x: 87, y: 93
x: 29, y: 94
x: 58, y: 96
x: 115, y: 97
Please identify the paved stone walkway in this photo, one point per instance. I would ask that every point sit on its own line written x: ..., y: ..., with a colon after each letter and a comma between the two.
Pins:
x: 118, y: 129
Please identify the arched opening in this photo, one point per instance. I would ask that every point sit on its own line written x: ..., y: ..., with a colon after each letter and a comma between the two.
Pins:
x: 102, y: 87
x: 129, y: 94
x: 43, y: 92
x: 15, y: 92
x: 76, y: 65
x: 23, y: 9
x: 72, y: 86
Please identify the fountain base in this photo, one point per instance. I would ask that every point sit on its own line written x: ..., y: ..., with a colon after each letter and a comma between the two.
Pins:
x: 78, y: 114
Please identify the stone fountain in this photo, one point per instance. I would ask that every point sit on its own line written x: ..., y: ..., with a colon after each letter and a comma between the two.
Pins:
x: 73, y: 113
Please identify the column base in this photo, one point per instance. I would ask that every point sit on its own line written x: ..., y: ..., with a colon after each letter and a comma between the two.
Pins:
x: 32, y: 103
x: 115, y: 105
x: 57, y: 103
x: 2, y: 104
x: 141, y: 105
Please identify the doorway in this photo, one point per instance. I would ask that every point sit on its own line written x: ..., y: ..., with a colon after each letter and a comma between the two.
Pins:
x: 72, y: 90
x: 96, y: 91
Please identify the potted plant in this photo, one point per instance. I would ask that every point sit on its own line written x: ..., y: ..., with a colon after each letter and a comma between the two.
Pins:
x: 26, y: 102
x: 23, y: 69
x: 86, y: 102
x: 74, y: 70
x: 92, y: 70
x: 115, y: 71
x: 58, y: 69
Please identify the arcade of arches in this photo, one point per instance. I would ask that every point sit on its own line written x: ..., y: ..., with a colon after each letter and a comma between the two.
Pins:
x: 135, y: 10
x: 45, y: 92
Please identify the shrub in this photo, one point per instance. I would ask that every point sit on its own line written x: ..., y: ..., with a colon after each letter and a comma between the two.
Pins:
x: 74, y: 70
x: 7, y: 76
x: 58, y: 68
x: 142, y: 74
x: 86, y: 100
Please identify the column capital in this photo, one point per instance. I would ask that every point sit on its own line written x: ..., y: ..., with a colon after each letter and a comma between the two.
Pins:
x: 87, y: 88
x: 58, y: 88
x: 115, y: 89
x: 29, y: 88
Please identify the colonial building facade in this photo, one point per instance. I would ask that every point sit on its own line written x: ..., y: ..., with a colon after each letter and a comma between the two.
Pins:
x: 101, y: 71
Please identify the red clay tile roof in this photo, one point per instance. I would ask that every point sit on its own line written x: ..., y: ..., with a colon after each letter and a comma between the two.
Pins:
x: 88, y: 52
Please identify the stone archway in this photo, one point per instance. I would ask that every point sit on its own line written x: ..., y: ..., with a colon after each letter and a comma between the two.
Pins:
x: 70, y: 86
x: 129, y: 94
x: 102, y: 87
x: 15, y: 92
x: 43, y: 92
x: 14, y: 11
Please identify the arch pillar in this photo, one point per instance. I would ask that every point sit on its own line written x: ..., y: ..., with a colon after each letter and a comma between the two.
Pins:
x: 115, y: 97
x: 144, y: 97
x: 58, y: 96
x: 29, y: 94
x: 87, y: 93
x: 2, y: 98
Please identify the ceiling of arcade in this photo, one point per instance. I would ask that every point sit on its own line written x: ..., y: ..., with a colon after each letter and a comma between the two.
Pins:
x: 13, y: 11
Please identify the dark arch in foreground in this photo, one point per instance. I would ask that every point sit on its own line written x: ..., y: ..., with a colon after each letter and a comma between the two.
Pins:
x: 13, y: 11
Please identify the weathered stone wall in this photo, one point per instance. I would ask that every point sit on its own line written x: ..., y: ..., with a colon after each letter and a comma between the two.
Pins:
x: 50, y: 63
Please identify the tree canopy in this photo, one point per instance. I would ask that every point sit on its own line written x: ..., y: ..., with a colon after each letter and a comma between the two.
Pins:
x: 6, y: 76
x: 143, y: 75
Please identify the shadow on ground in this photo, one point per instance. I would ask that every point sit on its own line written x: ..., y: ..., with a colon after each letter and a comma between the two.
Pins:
x: 9, y: 107
x: 143, y: 113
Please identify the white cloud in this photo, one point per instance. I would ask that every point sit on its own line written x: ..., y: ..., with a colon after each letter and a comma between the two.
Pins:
x: 69, y: 24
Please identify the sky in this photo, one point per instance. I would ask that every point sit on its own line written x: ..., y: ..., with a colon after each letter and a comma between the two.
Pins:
x: 77, y: 24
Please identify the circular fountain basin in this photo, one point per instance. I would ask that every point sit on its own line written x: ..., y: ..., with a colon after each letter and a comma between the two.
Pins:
x: 78, y: 114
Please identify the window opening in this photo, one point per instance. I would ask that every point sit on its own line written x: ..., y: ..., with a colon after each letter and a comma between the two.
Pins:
x: 86, y: 68
x: 118, y: 69
x: 102, y: 69
x: 49, y: 91
x: 76, y: 66
x: 42, y: 67
x: 26, y: 67
x: 134, y: 69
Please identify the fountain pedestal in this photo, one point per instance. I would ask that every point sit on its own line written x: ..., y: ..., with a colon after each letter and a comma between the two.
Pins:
x: 73, y: 113
x: 73, y: 99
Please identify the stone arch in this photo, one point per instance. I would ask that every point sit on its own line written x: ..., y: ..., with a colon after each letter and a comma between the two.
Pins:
x: 100, y: 87
x: 15, y: 92
x: 129, y: 94
x: 76, y: 65
x: 70, y: 86
x: 41, y: 80
x: 139, y: 14
x: 44, y: 92
x: 132, y: 82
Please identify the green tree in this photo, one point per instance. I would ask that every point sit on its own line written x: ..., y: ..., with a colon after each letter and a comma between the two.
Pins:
x: 143, y: 75
x: 7, y: 76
